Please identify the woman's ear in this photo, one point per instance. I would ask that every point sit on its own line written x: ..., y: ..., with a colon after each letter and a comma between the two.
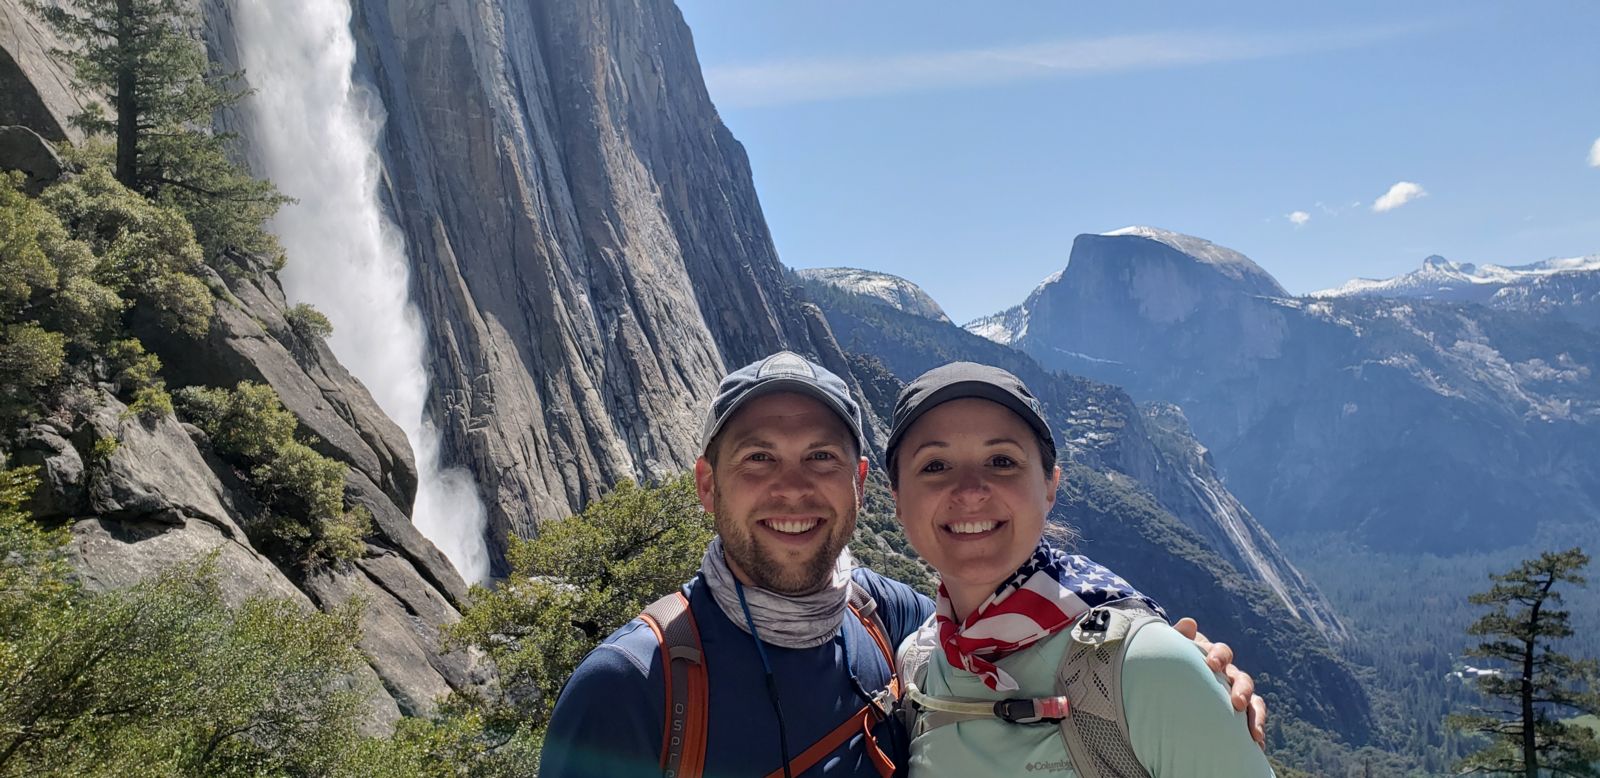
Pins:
x: 1055, y: 484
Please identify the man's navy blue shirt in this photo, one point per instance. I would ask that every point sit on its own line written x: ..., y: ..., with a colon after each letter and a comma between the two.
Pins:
x: 608, y: 720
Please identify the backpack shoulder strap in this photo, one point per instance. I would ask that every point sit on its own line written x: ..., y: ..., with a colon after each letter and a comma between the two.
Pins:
x: 912, y: 663
x: 683, y: 666
x: 1090, y: 675
x: 866, y: 610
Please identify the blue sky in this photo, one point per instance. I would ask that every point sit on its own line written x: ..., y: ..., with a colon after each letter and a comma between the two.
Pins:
x: 964, y: 146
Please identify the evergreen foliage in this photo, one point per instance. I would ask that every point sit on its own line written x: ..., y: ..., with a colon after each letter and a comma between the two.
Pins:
x: 250, y: 425
x: 73, y: 264
x: 308, y: 323
x: 580, y: 579
x: 143, y: 59
x: 162, y: 678
x: 1536, y: 687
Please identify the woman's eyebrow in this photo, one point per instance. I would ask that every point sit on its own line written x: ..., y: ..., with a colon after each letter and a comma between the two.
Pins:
x: 930, y: 444
x: 998, y: 441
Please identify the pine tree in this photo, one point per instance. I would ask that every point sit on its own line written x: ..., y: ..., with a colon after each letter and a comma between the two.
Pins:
x: 142, y: 58
x: 1538, y: 686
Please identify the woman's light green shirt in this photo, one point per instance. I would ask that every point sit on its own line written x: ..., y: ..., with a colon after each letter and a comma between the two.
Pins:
x: 1180, y: 721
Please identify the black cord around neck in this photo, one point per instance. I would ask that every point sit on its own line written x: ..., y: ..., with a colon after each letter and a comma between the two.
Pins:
x: 772, y: 680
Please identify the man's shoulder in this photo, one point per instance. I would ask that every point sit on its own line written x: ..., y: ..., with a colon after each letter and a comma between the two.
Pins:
x: 903, y: 608
x: 628, y: 656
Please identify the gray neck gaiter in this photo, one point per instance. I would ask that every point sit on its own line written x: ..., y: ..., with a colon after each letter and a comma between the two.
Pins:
x: 790, y: 621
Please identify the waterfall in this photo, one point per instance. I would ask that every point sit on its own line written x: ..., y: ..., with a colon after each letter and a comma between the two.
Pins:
x: 315, y: 133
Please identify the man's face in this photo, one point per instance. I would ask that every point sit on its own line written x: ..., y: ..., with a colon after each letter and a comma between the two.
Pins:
x: 785, y: 491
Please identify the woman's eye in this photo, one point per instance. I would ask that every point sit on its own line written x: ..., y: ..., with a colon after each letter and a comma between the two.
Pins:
x: 1002, y: 460
x: 935, y: 466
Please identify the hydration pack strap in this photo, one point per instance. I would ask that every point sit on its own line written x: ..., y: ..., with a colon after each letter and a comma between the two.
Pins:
x: 1017, y: 710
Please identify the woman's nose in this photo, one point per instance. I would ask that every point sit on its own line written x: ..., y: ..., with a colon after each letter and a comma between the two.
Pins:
x: 970, y: 485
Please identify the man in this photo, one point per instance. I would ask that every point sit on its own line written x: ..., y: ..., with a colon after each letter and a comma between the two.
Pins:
x: 792, y: 667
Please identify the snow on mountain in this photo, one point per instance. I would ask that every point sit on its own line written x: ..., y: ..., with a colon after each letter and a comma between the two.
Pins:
x: 897, y: 292
x: 1227, y: 261
x: 1441, y: 279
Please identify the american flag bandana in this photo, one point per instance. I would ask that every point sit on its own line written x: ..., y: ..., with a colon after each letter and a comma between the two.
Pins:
x: 1046, y: 595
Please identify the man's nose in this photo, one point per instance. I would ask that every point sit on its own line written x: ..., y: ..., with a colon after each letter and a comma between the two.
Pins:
x: 793, y: 480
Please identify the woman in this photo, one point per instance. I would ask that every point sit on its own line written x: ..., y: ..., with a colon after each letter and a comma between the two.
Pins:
x: 1065, y: 653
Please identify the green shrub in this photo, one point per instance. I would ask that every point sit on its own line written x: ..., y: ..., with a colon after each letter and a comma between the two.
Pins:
x: 344, y: 537
x: 581, y: 578
x: 294, y: 471
x: 250, y: 423
x: 145, y: 252
x: 308, y: 322
x: 30, y: 356
x: 150, y: 402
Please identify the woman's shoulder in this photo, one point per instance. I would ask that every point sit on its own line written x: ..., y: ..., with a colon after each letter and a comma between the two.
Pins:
x: 1176, y: 707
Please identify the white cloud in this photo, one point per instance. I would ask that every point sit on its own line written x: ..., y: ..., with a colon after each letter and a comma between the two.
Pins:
x: 1299, y: 218
x: 1398, y: 195
x: 804, y: 80
x: 1594, y: 154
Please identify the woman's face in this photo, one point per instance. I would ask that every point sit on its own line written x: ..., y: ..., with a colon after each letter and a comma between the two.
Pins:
x: 973, y: 494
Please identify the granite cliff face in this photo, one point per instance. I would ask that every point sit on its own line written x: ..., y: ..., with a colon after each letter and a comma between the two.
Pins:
x: 589, y: 253
x: 1417, y: 425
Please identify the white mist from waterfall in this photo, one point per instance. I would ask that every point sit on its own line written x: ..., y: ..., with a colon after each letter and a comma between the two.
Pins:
x: 315, y: 133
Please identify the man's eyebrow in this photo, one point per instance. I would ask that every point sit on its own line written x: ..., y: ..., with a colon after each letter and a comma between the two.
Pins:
x: 749, y: 441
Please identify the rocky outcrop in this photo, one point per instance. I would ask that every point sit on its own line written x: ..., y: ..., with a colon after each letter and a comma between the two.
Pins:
x: 22, y: 149
x: 143, y: 495
x: 35, y: 89
x: 1417, y: 425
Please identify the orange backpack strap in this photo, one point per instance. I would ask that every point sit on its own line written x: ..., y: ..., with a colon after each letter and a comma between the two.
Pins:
x: 683, y: 665
x: 866, y: 610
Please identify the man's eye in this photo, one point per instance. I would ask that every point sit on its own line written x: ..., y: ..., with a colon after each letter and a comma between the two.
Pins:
x: 822, y: 455
x: 759, y: 456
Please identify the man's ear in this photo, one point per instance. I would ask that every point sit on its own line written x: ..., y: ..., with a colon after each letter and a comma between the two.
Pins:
x: 861, y: 479
x: 704, y: 485
x: 1055, y: 484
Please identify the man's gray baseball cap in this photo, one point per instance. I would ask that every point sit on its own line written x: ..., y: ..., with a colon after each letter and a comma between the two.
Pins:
x: 784, y: 371
x: 967, y: 379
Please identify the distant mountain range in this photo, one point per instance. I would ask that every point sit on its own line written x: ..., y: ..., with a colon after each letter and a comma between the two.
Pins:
x: 1566, y: 287
x: 1454, y: 408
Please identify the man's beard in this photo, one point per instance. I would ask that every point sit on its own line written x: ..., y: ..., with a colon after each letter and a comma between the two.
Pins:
x: 739, y: 543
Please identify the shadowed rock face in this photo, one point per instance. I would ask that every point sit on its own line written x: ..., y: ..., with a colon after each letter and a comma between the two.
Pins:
x: 35, y: 89
x: 590, y: 256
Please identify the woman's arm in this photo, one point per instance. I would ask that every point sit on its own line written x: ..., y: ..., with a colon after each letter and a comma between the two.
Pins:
x: 1181, y: 721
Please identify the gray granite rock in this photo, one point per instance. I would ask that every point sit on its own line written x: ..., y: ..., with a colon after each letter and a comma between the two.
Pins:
x: 35, y: 89
x: 22, y: 149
